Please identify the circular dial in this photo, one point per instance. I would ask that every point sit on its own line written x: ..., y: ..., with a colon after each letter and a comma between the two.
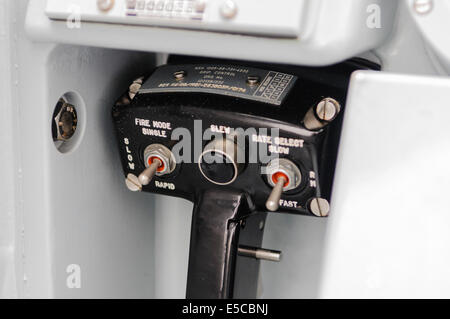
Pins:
x: 221, y: 161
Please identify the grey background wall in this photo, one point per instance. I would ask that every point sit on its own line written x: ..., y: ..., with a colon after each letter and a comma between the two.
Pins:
x: 62, y: 209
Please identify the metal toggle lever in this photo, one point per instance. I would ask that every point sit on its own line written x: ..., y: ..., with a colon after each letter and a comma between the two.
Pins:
x: 273, y: 201
x: 147, y: 175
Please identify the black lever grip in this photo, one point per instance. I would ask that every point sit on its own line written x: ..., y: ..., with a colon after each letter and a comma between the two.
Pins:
x: 214, y: 243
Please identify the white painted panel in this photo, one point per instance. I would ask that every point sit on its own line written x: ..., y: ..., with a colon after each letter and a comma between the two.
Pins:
x: 282, y: 18
x: 432, y: 19
x: 389, y: 231
x: 331, y: 31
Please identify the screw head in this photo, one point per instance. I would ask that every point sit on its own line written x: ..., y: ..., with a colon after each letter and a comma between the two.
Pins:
x: 133, y: 184
x: 180, y: 75
x: 135, y: 87
x: 253, y: 80
x: 319, y: 207
x: 423, y: 6
x: 133, y: 90
x: 200, y: 6
x: 229, y: 9
x: 327, y: 110
x: 105, y: 5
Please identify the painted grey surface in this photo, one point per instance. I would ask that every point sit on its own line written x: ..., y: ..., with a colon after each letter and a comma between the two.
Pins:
x: 94, y: 220
x: 87, y: 215
x: 301, y: 239
x: 266, y: 22
x: 172, y: 236
x: 388, y: 236
x: 331, y: 33
x: 405, y: 50
x: 8, y: 171
x: 73, y: 208
x: 434, y: 25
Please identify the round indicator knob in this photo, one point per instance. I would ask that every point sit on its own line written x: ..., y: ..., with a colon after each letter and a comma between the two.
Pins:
x: 221, y: 161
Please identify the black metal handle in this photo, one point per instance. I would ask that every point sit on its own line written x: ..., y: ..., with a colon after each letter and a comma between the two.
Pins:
x: 216, y: 224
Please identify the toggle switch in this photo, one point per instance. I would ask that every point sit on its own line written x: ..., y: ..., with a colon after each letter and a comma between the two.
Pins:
x: 147, y: 175
x: 283, y: 175
x: 272, y: 202
x: 159, y: 161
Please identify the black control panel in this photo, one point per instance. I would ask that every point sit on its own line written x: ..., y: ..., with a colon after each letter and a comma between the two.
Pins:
x: 271, y: 132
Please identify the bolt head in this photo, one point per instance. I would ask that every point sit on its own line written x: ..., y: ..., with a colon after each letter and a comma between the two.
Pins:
x: 66, y: 121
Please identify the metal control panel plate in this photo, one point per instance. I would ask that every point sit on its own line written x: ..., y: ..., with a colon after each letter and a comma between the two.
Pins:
x: 202, y: 132
x: 263, y: 17
x: 244, y: 82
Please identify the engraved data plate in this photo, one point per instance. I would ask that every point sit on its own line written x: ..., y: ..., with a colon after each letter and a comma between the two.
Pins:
x: 238, y: 81
x: 178, y: 9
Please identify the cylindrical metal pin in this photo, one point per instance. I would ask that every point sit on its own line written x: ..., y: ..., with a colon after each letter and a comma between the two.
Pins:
x: 273, y: 202
x: 147, y: 175
x: 259, y: 253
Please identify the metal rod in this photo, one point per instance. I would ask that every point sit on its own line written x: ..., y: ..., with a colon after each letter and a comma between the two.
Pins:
x: 259, y: 253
